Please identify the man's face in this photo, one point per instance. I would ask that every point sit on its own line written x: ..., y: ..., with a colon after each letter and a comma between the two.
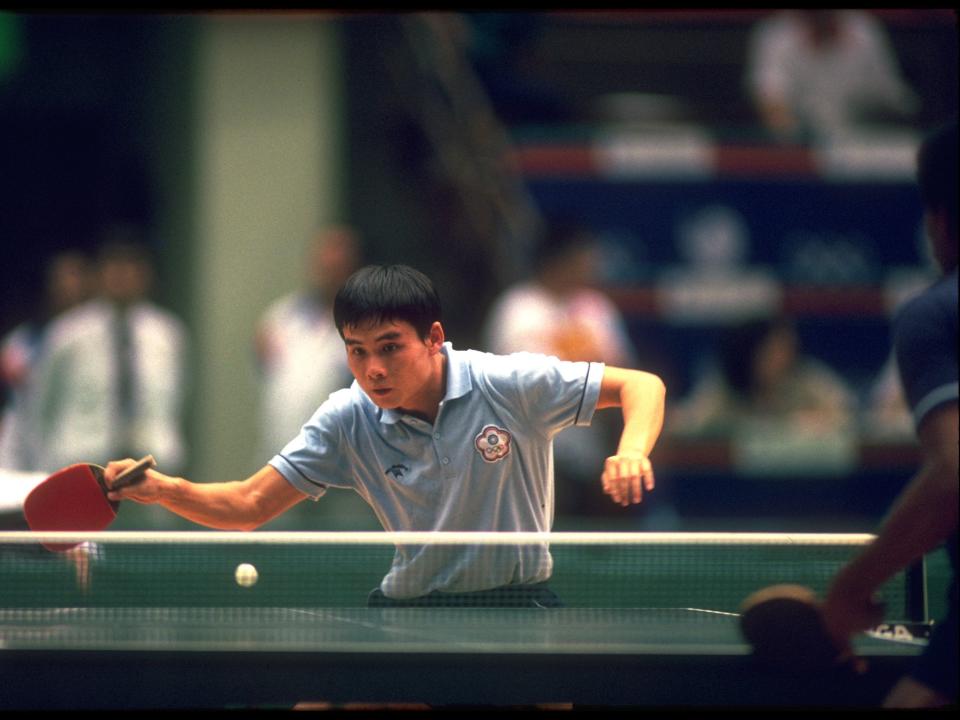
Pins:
x: 775, y: 357
x: 395, y: 367
x: 124, y: 280
x: 332, y: 259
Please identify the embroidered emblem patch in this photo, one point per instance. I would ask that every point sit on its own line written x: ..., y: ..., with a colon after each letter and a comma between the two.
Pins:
x: 397, y: 471
x: 493, y: 443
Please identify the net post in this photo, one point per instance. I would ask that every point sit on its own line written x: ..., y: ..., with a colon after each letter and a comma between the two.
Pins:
x: 915, y: 578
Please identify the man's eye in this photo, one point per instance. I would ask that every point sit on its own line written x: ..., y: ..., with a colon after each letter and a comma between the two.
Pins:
x: 389, y: 348
x: 356, y: 351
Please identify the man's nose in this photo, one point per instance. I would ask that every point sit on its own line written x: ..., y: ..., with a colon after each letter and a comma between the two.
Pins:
x: 375, y: 371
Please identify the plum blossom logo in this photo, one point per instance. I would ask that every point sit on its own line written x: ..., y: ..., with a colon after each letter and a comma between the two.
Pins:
x: 493, y: 443
x: 397, y: 471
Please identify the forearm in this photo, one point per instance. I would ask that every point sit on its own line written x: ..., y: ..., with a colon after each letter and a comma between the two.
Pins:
x: 921, y: 520
x: 642, y: 402
x: 777, y: 117
x: 232, y: 505
x: 220, y: 505
x: 924, y: 514
x: 641, y: 397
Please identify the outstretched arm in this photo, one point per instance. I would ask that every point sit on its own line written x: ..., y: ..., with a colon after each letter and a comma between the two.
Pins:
x: 922, y: 518
x: 234, y: 505
x: 641, y: 397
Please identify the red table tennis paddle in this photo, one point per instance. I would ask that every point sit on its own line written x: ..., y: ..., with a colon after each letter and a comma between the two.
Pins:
x: 75, y: 499
x: 785, y: 628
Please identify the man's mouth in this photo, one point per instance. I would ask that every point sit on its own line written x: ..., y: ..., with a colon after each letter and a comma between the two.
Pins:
x: 380, y: 392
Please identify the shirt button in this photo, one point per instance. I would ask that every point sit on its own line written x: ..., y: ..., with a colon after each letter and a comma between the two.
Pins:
x: 436, y: 436
x: 445, y: 461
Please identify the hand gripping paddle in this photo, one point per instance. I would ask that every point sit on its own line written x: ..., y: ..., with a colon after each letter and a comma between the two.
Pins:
x: 784, y: 626
x: 75, y: 499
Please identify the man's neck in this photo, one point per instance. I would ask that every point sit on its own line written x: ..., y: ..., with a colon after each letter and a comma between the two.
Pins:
x: 435, y: 394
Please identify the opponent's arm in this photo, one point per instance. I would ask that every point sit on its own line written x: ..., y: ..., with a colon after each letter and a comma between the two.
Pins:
x: 641, y: 397
x: 233, y: 505
x: 922, y: 517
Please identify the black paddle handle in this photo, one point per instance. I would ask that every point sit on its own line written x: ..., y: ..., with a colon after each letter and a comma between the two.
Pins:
x: 134, y: 473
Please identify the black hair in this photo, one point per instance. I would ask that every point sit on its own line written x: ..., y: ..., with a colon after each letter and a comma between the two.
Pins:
x: 738, y: 346
x: 937, y: 161
x: 123, y: 242
x: 380, y: 293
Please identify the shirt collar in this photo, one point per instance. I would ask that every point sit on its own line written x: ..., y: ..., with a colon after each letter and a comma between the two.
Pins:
x: 458, y: 382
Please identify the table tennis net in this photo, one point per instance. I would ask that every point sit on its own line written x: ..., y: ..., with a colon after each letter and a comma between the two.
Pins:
x: 710, y: 571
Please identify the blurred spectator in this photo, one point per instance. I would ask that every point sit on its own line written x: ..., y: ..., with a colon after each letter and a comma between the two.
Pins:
x: 112, y: 379
x: 299, y: 351
x: 559, y: 312
x: 66, y: 284
x: 761, y: 379
x: 814, y: 74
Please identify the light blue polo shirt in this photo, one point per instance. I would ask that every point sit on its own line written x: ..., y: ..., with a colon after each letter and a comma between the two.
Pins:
x: 486, y: 464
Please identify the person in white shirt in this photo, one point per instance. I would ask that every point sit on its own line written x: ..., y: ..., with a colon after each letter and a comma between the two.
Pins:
x: 818, y: 74
x: 299, y: 352
x: 67, y: 284
x: 113, y: 376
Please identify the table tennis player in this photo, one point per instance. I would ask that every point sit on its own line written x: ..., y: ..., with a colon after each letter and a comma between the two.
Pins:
x: 436, y: 439
x: 925, y: 514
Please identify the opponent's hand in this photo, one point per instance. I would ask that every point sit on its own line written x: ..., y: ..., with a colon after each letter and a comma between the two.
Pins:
x: 626, y: 477
x: 846, y: 613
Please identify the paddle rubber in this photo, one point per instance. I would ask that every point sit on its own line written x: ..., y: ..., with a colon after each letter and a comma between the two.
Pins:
x: 783, y: 625
x: 75, y: 499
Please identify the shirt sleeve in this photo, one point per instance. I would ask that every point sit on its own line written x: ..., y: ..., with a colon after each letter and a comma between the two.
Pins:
x: 925, y: 341
x: 552, y: 394
x: 315, y: 459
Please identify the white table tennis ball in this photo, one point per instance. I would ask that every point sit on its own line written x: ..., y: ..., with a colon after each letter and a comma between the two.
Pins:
x: 246, y: 575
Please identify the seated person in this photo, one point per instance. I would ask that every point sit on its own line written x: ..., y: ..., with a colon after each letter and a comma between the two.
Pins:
x: 761, y: 379
x: 816, y: 74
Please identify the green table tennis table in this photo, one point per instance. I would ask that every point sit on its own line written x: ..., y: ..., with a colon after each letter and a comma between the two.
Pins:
x: 183, y: 635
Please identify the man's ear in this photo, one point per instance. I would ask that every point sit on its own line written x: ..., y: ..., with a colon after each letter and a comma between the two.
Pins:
x: 435, y: 337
